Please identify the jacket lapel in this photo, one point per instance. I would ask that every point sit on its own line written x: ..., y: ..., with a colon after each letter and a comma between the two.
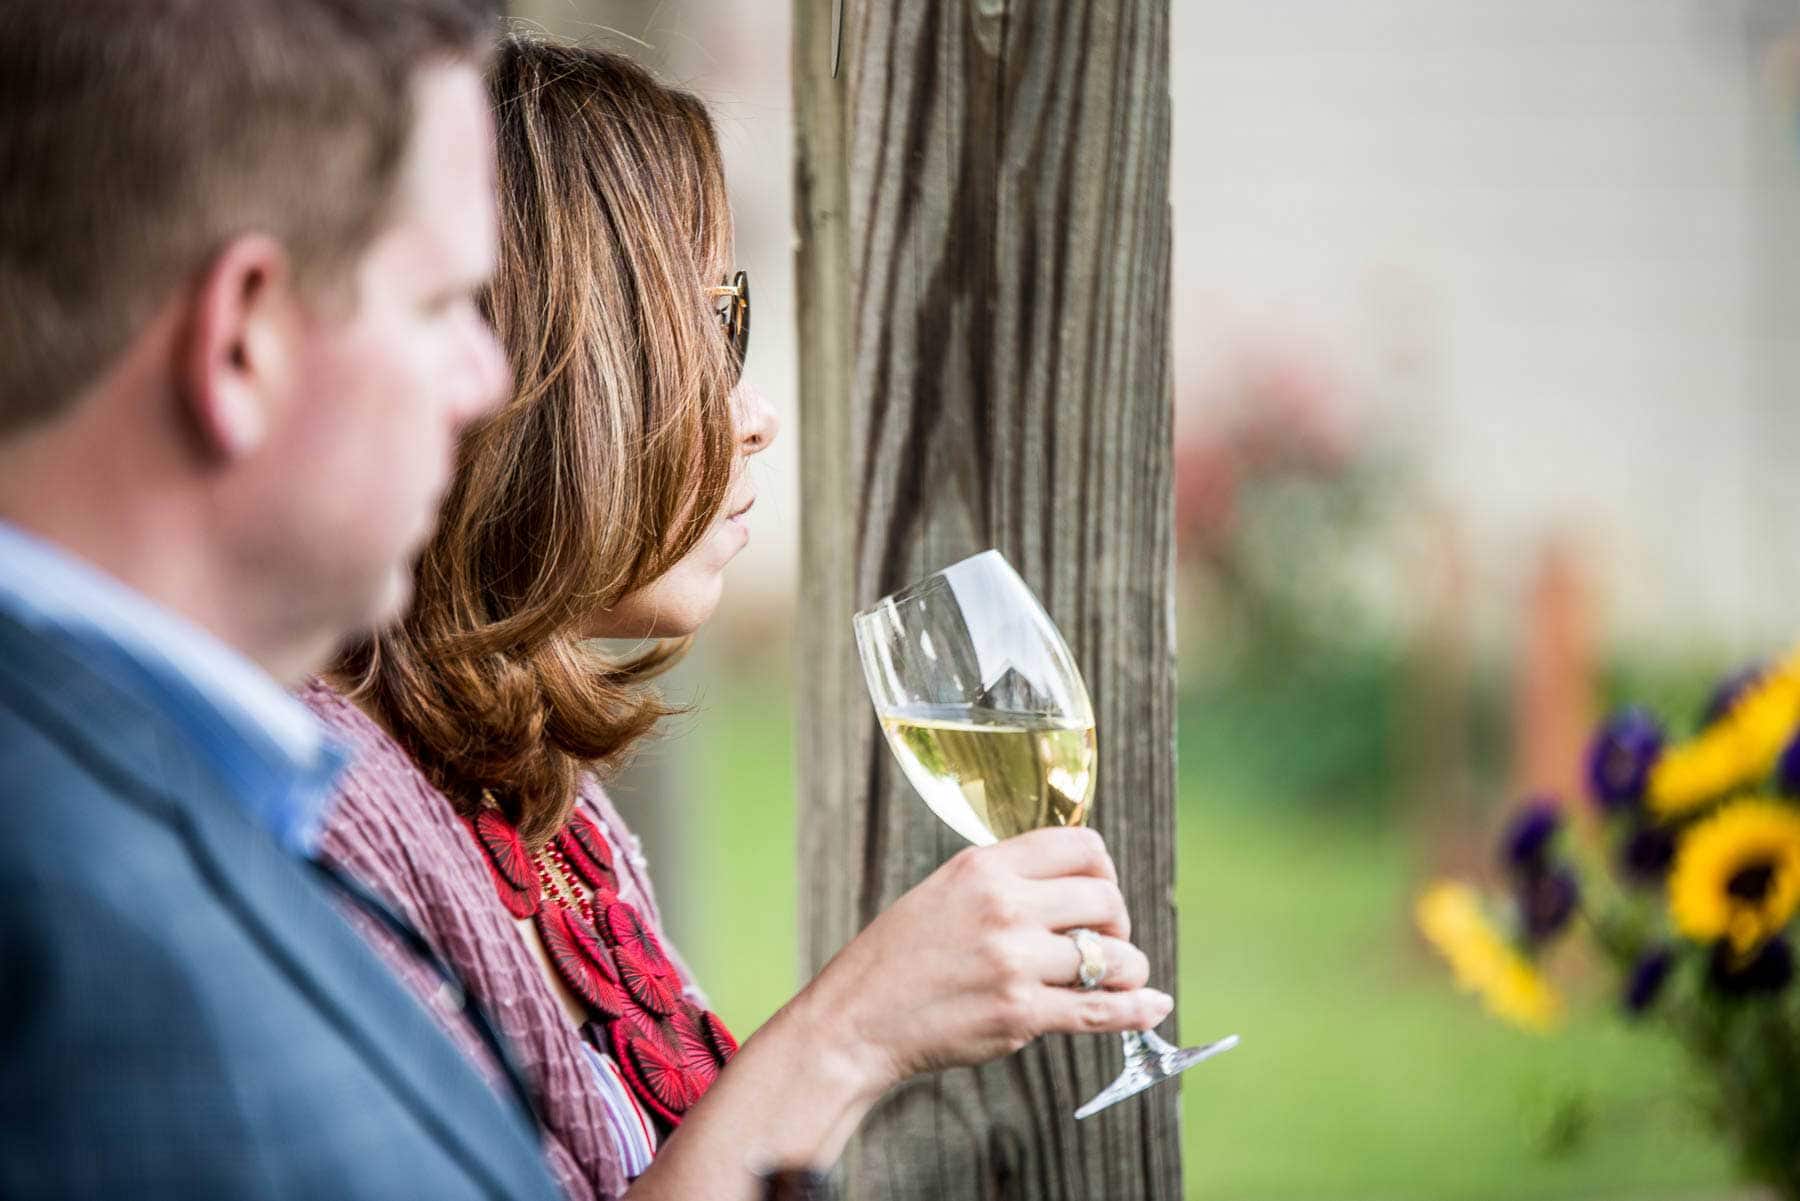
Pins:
x: 135, y: 750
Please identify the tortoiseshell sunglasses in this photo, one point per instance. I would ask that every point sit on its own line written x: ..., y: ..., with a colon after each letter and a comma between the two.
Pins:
x: 734, y: 317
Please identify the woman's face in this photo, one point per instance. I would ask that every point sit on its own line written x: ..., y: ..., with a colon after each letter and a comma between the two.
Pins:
x: 680, y: 600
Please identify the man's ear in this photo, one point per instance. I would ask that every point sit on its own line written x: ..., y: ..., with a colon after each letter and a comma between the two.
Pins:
x: 235, y: 364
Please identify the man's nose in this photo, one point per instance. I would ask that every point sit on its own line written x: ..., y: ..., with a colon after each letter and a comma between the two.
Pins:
x: 490, y: 376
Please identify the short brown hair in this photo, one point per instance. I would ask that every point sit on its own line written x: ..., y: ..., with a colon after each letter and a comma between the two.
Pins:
x: 137, y: 137
x: 609, y: 463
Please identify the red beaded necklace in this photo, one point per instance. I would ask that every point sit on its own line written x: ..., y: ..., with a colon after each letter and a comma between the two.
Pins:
x: 668, y: 1049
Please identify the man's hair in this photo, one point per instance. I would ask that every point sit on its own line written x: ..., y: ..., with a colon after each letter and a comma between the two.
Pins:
x: 138, y: 137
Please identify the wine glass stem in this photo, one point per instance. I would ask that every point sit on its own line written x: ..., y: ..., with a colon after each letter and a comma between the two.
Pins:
x: 1143, y: 1049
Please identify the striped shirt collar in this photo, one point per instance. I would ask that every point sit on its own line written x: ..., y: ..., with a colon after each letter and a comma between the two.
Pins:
x: 268, y: 749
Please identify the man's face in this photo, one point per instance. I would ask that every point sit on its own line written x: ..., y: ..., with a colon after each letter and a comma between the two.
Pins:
x: 350, y: 478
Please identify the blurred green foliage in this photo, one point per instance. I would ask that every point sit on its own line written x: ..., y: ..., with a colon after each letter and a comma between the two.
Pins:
x: 1319, y: 725
x: 1676, y: 687
x: 1299, y: 729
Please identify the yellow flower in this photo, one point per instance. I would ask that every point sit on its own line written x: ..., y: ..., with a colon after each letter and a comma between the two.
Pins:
x: 1483, y: 962
x: 1738, y: 749
x: 1737, y: 874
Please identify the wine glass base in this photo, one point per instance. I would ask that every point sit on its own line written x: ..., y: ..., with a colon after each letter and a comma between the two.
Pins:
x: 1150, y: 1060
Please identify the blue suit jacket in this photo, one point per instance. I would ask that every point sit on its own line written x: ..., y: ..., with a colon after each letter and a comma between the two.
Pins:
x: 183, y: 1012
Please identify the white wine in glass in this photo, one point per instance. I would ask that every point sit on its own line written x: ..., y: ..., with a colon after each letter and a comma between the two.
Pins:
x: 990, y: 773
x: 984, y: 707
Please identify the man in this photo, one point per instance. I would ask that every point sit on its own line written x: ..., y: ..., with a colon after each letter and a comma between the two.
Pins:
x: 239, y: 250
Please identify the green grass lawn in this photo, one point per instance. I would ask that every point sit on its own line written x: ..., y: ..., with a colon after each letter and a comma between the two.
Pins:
x: 1362, y: 1074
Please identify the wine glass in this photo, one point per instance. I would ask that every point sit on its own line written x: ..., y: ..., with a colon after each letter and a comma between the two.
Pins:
x: 984, y: 707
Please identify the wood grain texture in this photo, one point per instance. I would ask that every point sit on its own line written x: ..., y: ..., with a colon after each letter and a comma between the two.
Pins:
x: 983, y: 279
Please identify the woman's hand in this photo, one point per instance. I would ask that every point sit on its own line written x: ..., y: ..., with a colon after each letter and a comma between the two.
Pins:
x: 975, y: 962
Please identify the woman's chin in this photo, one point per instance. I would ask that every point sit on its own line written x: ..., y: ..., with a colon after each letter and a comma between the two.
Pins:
x: 674, y: 606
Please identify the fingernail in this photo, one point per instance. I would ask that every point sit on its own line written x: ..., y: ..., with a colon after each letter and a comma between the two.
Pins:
x: 1163, y: 1001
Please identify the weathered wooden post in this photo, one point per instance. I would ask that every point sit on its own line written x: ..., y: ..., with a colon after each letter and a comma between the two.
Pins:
x: 983, y: 281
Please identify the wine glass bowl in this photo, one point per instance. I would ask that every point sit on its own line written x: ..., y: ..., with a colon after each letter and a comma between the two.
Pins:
x: 984, y: 707
x: 981, y: 701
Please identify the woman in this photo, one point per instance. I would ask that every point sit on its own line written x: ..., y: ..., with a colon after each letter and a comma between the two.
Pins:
x: 605, y: 501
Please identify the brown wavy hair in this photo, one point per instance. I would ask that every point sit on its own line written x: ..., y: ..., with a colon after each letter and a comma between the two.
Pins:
x: 609, y: 463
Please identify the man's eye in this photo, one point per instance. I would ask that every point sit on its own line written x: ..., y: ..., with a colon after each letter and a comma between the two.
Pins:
x: 446, y: 304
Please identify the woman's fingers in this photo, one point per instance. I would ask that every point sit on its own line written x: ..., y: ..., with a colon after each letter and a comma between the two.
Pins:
x: 1076, y: 901
x: 1069, y: 1011
x: 1057, y: 851
x: 1056, y: 960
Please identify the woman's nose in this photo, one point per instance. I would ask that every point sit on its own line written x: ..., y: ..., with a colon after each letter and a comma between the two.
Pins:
x: 757, y: 424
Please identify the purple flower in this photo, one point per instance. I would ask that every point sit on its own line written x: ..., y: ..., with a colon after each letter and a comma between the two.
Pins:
x: 1645, y: 856
x: 1728, y: 691
x: 1620, y: 759
x: 1787, y: 769
x: 1529, y: 834
x: 1767, y: 970
x: 1647, y: 978
x: 1547, y: 901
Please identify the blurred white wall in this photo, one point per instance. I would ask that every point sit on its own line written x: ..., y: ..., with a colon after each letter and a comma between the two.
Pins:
x: 1539, y: 236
